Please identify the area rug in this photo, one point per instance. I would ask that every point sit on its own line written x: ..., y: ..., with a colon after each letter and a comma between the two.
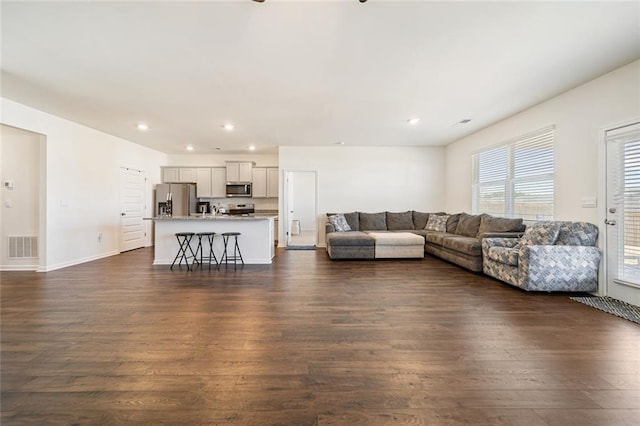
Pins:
x: 301, y: 248
x: 612, y: 306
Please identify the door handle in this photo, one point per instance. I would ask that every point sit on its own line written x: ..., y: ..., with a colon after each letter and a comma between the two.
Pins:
x: 610, y: 222
x: 123, y: 214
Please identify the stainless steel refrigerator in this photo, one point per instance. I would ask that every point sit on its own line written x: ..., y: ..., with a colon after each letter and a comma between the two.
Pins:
x: 176, y: 199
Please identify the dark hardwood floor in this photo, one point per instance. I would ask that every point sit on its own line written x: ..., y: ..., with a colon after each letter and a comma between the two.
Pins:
x: 307, y: 341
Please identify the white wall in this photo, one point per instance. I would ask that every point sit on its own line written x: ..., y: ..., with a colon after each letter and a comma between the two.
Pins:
x: 579, y: 116
x: 19, y: 207
x: 82, y: 184
x: 369, y: 179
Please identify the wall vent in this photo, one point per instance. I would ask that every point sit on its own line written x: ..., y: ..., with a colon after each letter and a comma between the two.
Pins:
x: 23, y: 247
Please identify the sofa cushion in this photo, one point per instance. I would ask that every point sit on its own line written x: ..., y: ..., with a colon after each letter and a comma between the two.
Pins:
x: 540, y: 234
x: 399, y: 221
x: 467, y: 245
x: 452, y: 223
x: 350, y: 238
x: 437, y: 222
x: 397, y: 239
x: 468, y: 225
x: 339, y: 223
x: 490, y: 223
x: 435, y: 237
x: 419, y: 219
x: 353, y: 220
x: 373, y: 221
x: 577, y: 234
x: 506, y: 255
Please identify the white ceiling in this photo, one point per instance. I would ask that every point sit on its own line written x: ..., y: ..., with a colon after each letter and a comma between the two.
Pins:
x: 304, y: 73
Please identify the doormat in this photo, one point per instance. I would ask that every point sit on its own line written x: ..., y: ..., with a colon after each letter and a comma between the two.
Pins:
x: 612, y: 306
x: 301, y: 248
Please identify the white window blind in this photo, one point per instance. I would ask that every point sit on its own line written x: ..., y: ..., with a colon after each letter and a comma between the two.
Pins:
x: 516, y: 179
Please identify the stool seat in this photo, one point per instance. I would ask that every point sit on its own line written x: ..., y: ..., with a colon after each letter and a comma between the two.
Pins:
x: 209, y: 237
x: 184, y: 244
x: 237, y: 255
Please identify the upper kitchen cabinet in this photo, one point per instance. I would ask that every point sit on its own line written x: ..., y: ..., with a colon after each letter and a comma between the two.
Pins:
x: 211, y: 182
x: 179, y: 174
x: 203, y: 182
x: 265, y: 182
x: 239, y: 172
x: 218, y: 182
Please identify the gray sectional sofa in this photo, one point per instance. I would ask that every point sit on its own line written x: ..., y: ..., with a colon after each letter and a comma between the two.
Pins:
x: 459, y: 243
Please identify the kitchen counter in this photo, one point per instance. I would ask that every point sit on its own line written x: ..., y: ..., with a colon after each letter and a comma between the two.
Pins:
x: 256, y: 216
x: 256, y: 240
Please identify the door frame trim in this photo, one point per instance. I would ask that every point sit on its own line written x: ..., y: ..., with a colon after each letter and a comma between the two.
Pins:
x: 285, y: 229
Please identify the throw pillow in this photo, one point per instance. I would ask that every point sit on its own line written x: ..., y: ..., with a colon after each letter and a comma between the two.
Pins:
x: 540, y: 234
x: 468, y: 225
x: 437, y: 222
x: 339, y: 223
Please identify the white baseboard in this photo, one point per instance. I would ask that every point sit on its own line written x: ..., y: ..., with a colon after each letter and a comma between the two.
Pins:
x: 18, y: 268
x: 49, y: 268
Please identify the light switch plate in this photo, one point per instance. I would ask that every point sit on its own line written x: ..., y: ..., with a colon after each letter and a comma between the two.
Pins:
x: 589, y: 202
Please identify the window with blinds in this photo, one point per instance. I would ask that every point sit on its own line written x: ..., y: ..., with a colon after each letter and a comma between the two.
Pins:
x: 516, y: 179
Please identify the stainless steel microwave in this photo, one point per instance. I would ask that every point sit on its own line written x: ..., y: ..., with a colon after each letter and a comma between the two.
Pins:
x: 239, y: 190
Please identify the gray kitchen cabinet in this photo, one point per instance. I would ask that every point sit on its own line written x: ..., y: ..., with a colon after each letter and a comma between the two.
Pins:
x: 203, y: 182
x: 265, y: 182
x: 218, y: 182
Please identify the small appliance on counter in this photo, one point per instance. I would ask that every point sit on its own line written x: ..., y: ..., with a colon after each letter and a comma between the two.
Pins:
x: 204, y: 207
x: 241, y: 209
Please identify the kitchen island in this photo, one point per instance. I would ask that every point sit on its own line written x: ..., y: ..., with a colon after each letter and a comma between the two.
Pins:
x: 256, y: 242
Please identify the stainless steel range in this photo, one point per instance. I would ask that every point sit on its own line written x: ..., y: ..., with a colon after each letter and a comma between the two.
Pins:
x: 241, y: 209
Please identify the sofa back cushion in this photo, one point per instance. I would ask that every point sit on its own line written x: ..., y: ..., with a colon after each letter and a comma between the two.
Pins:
x: 577, y: 234
x: 419, y: 219
x: 351, y: 218
x: 452, y: 223
x: 399, y: 221
x: 541, y: 234
x: 373, y: 221
x: 468, y: 225
x: 490, y: 223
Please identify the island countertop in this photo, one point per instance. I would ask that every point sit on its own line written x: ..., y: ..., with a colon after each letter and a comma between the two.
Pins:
x: 215, y: 217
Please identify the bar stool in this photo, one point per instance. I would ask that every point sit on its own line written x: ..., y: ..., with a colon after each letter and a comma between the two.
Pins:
x: 184, y: 241
x: 237, y: 255
x: 212, y: 256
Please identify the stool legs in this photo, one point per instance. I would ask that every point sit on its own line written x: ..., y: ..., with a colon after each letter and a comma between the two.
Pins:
x: 184, y: 242
x: 237, y: 254
x: 212, y: 256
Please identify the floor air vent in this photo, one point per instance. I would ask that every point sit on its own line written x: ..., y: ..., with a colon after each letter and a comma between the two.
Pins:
x: 23, y: 247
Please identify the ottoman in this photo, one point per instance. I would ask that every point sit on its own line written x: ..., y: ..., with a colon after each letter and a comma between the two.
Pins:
x: 390, y: 245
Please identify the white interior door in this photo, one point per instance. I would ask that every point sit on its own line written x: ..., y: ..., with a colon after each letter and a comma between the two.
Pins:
x: 623, y: 213
x: 132, y: 192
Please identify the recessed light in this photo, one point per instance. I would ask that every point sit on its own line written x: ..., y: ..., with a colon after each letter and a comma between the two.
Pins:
x: 252, y: 147
x: 414, y: 120
x: 143, y: 127
x: 228, y: 127
x: 189, y: 147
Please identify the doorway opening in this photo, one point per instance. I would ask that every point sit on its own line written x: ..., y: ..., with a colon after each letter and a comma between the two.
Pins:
x: 301, y: 210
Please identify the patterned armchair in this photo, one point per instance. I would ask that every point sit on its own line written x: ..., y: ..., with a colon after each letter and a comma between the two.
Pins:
x: 550, y: 256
